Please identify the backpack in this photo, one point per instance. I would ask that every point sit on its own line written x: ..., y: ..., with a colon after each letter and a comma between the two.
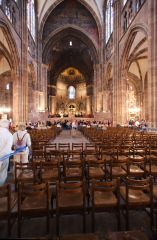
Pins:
x: 19, y: 143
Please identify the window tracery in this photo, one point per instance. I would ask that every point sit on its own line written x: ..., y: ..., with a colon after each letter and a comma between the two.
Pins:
x: 31, y: 17
x: 130, y: 13
x: 109, y: 19
x: 7, y: 11
x: 125, y: 21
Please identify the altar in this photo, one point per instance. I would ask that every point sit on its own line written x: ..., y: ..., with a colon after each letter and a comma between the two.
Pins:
x: 71, y: 115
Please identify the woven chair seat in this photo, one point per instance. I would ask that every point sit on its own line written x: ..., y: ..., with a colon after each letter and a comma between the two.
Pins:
x: 103, y: 198
x: 135, y: 196
x: 28, y: 174
x: 66, y: 200
x: 134, y: 169
x: 96, y: 172
x: 153, y: 168
x: 74, y: 172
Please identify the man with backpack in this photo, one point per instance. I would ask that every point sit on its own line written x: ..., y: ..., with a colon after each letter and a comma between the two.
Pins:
x: 6, y: 141
x: 20, y: 140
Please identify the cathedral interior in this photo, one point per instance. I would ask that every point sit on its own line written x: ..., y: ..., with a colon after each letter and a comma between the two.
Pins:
x: 78, y: 58
x: 90, y: 60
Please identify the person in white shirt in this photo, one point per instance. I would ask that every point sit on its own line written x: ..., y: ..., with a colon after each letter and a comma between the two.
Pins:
x: 73, y: 134
x: 21, y: 156
x: 6, y: 141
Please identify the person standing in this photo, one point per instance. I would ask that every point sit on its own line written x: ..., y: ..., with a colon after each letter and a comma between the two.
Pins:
x: 6, y: 141
x: 21, y: 156
x: 73, y: 129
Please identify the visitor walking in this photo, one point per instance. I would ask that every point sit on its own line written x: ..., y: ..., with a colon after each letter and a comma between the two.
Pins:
x: 21, y: 156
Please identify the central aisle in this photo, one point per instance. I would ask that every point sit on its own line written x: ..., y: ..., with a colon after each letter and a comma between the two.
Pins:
x: 65, y: 137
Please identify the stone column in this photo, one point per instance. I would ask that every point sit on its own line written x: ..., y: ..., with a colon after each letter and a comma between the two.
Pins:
x: 53, y: 105
x: 24, y: 62
x: 37, y: 101
x: 106, y: 101
x: 33, y: 98
x: 88, y: 105
x: 17, y: 113
x: 123, y: 101
x: 116, y: 30
x: 95, y: 89
x: 44, y: 85
x: 152, y: 63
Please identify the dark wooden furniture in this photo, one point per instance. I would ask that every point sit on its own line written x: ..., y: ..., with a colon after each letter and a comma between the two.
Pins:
x: 36, y: 203
x: 70, y: 198
x: 50, y: 171
x: 73, y: 170
x: 7, y: 203
x: 105, y: 196
x: 28, y: 173
x: 135, y: 198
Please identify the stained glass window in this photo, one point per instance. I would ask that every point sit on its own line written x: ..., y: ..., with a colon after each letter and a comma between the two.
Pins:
x: 31, y: 17
x: 7, y: 11
x: 109, y: 19
x: 130, y: 16
x: 71, y: 92
x: 0, y: 2
x: 138, y: 4
x: 124, y: 1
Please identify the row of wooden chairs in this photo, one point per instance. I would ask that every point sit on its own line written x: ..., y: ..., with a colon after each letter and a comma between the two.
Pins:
x: 77, y: 170
x: 37, y: 200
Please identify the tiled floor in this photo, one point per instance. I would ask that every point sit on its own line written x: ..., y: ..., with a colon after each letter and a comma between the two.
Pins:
x: 72, y: 224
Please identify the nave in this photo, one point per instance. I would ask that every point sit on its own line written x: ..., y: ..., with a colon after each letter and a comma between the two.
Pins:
x: 72, y: 224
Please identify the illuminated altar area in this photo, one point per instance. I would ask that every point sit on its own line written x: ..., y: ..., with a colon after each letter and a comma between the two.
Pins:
x: 71, y: 95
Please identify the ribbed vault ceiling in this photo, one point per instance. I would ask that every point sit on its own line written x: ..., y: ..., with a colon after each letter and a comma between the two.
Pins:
x: 96, y: 5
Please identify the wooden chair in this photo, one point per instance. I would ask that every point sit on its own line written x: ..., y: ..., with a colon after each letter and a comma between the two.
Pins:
x: 76, y: 146
x: 7, y: 203
x: 95, y: 170
x: 90, y: 155
x: 90, y: 146
x: 140, y: 151
x: 105, y: 196
x: 116, y: 168
x: 135, y: 198
x: 151, y: 169
x: 136, y: 167
x: 28, y: 173
x: 70, y: 198
x: 107, y: 154
x: 38, y: 155
x: 73, y: 170
x: 123, y: 153
x: 53, y: 155
x: 64, y: 146
x: 49, y: 171
x: 36, y: 203
x: 74, y: 155
x: 50, y: 146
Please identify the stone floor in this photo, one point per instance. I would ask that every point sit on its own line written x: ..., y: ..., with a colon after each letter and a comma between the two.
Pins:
x: 72, y: 224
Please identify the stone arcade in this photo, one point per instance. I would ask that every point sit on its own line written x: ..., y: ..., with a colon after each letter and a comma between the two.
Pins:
x: 104, y: 49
